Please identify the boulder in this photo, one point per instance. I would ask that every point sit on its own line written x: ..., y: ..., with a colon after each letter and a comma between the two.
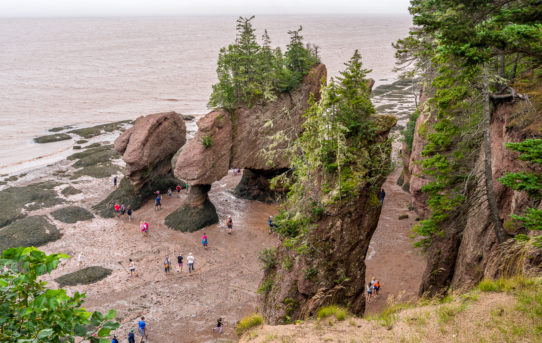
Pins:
x: 153, y: 139
x: 206, y: 158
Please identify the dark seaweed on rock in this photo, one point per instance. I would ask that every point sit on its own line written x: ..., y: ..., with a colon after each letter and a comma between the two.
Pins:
x: 84, y: 276
x: 31, y: 197
x: 27, y: 232
x: 70, y: 190
x: 52, y: 138
x: 72, y: 214
x: 97, y: 130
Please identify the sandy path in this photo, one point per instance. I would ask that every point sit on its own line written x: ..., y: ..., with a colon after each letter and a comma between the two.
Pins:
x: 179, y: 307
x: 391, y: 258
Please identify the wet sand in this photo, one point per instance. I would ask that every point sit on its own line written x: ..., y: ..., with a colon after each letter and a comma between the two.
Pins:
x: 178, y: 307
x: 391, y: 257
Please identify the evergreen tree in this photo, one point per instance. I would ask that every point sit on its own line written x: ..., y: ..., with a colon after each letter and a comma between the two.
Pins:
x: 356, y: 106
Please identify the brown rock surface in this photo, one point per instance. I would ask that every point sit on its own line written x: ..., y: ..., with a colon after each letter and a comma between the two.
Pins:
x: 417, y: 180
x: 153, y: 139
x: 253, y: 125
x: 468, y: 250
x: 201, y: 165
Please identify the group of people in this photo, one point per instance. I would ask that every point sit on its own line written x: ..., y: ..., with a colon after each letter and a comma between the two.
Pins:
x: 121, y: 210
x: 142, y: 330
x: 180, y: 258
x: 372, y: 288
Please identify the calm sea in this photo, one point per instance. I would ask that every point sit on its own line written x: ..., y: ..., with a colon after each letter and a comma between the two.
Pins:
x: 83, y: 71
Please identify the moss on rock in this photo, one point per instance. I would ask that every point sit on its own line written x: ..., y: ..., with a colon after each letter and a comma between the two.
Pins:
x: 100, y: 171
x: 30, y: 231
x: 127, y: 195
x: 72, y: 214
x: 52, y: 138
x: 70, y: 190
x: 85, y: 276
x: 190, y: 219
x: 31, y: 197
x: 94, y: 156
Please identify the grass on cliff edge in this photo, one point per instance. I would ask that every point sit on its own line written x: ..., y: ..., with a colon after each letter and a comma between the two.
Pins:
x: 504, y: 310
x: 248, y: 322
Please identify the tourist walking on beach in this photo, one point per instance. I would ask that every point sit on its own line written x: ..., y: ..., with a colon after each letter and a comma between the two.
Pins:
x: 114, y: 340
x: 80, y: 260
x: 204, y: 240
x: 167, y: 265
x: 144, y: 227
x: 115, y: 181
x: 229, y: 224
x: 169, y: 192
x: 117, y: 209
x: 129, y: 213
x: 376, y: 287
x: 178, y: 188
x: 218, y: 326
x: 382, y: 196
x: 132, y: 268
x: 157, y: 203
x: 180, y: 263
x: 369, y: 292
x: 190, y: 260
x: 131, y: 336
x: 122, y: 211
x: 270, y: 224
x: 143, y: 330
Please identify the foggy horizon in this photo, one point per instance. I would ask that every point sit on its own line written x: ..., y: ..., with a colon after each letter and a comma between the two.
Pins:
x: 173, y: 8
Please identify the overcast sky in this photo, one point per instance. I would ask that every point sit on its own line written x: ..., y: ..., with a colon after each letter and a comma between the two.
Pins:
x: 48, y: 8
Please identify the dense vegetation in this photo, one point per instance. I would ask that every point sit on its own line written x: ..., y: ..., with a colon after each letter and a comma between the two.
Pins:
x: 249, y: 72
x: 333, y: 159
x: 29, y: 312
x: 531, y: 152
x: 466, y: 52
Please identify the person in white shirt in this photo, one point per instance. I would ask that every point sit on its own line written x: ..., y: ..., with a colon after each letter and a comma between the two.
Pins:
x: 80, y: 260
x: 190, y: 260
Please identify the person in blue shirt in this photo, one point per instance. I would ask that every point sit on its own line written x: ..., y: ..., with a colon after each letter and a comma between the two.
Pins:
x: 157, y: 202
x: 114, y: 340
x: 142, y: 330
x: 131, y: 336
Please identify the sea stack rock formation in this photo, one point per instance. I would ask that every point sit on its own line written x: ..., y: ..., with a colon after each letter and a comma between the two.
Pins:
x: 204, y: 160
x: 262, y: 157
x: 328, y: 265
x: 241, y: 140
x: 147, y: 148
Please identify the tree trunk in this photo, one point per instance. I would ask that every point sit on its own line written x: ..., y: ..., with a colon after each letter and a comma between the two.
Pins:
x: 488, y: 172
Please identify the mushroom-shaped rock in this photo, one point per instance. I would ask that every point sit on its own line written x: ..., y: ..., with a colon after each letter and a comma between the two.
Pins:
x: 147, y: 148
x: 206, y: 158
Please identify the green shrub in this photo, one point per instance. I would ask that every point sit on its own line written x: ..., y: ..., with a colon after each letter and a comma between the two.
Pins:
x: 267, y: 256
x: 248, y: 322
x: 410, y: 128
x: 266, y: 286
x: 337, y: 311
x: 207, y: 141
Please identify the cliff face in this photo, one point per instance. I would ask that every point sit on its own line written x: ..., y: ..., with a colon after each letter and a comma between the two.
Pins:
x: 328, y: 266
x: 468, y: 248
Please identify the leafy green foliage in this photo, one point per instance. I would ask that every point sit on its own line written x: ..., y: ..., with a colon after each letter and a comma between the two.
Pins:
x: 453, y: 44
x: 410, y: 129
x: 29, y: 312
x: 339, y: 312
x: 207, y: 141
x: 250, y: 73
x: 531, y: 152
x: 248, y: 322
x: 267, y: 256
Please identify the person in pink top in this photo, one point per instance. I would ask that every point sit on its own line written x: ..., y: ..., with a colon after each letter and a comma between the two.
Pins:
x: 204, y: 240
x: 117, y: 209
